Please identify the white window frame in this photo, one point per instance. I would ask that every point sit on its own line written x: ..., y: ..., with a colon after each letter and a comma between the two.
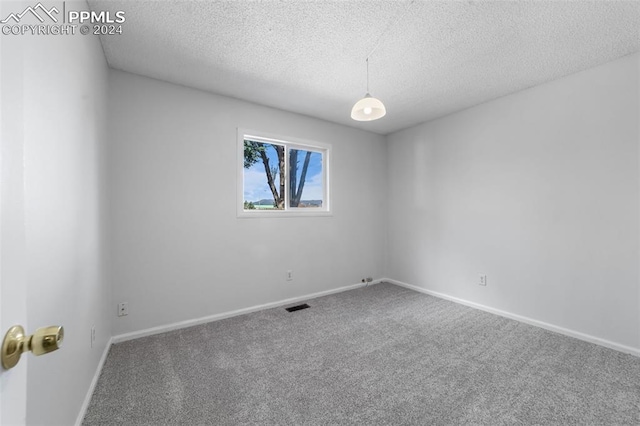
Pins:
x: 288, y: 142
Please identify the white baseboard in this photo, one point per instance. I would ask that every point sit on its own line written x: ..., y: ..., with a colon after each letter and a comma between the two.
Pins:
x: 92, y: 386
x: 197, y: 321
x: 560, y: 330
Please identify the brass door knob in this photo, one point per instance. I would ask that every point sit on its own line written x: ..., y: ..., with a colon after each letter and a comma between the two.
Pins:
x: 43, y: 341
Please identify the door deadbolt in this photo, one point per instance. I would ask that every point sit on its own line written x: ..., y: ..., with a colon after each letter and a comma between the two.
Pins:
x: 43, y: 341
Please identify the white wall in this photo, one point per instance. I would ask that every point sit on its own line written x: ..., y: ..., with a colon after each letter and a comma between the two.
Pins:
x: 540, y: 191
x: 180, y: 252
x: 64, y: 99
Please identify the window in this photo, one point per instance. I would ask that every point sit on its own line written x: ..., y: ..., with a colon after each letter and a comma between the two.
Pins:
x: 281, y: 176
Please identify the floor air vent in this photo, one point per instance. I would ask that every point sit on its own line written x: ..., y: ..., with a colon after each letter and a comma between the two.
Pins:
x: 297, y: 308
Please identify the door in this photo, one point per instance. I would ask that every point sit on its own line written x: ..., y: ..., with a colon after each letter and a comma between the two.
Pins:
x: 13, y: 292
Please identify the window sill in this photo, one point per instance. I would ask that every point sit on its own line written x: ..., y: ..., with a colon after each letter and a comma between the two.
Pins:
x: 261, y: 214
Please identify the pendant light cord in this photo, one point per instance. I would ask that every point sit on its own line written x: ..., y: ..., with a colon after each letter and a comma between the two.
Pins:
x: 391, y: 24
x: 367, y: 74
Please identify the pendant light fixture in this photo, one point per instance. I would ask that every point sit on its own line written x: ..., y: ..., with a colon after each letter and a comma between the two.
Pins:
x: 368, y: 108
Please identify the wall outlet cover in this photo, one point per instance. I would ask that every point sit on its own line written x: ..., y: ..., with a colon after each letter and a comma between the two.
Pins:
x: 123, y: 309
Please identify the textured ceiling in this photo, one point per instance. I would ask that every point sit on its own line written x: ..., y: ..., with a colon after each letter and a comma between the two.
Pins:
x: 309, y: 56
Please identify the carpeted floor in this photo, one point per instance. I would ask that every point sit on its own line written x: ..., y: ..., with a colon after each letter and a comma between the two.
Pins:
x: 381, y: 355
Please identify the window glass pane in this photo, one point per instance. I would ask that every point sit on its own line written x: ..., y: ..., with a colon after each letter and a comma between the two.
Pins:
x: 306, y: 179
x: 263, y: 181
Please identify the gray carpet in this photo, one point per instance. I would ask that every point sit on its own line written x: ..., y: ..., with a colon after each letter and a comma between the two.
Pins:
x: 382, y: 355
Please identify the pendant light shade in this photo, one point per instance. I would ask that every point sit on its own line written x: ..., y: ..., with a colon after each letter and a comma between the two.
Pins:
x: 368, y: 109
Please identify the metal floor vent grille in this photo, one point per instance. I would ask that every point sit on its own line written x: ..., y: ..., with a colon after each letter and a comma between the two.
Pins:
x: 298, y: 307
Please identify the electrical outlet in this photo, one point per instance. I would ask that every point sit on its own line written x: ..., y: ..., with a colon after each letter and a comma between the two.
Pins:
x: 289, y: 275
x: 482, y: 280
x: 123, y: 309
x: 93, y: 335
